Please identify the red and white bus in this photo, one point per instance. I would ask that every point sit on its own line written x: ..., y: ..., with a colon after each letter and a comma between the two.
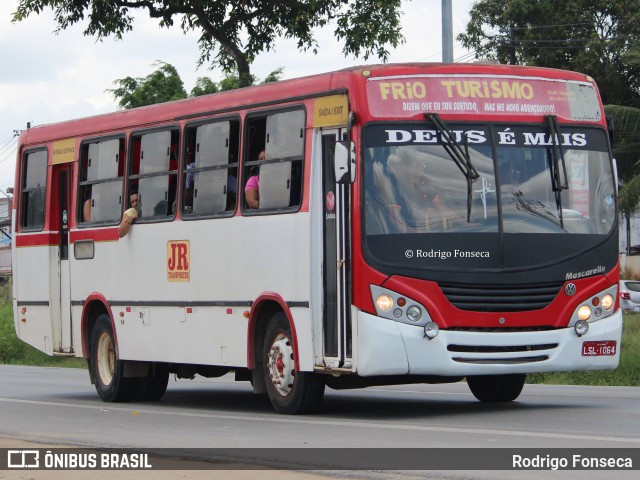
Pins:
x: 417, y: 223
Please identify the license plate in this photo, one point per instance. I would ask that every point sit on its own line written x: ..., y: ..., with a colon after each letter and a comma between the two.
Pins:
x: 598, y: 349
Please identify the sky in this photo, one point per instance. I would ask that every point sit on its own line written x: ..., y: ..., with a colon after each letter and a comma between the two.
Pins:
x: 49, y: 77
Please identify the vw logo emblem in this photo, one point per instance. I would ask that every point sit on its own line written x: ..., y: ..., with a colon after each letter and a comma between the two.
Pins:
x: 570, y: 289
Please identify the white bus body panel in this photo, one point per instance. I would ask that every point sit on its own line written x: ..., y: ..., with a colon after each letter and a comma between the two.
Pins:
x: 386, y: 347
x: 37, y: 319
x: 132, y: 273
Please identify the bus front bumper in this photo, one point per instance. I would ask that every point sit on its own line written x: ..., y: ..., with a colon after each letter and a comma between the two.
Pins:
x: 385, y: 347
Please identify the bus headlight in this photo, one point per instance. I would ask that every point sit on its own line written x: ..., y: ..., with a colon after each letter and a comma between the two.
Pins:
x: 413, y: 313
x: 399, y: 308
x: 607, y: 301
x: 581, y: 327
x: 584, y: 313
x: 384, y: 302
x: 596, y: 307
x: 431, y: 330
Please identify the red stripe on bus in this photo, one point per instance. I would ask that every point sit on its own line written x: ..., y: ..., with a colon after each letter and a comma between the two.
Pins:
x: 53, y: 238
x: 98, y: 234
x: 37, y: 239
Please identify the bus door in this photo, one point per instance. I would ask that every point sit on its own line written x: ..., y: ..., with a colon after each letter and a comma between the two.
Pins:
x: 60, y: 215
x: 336, y: 303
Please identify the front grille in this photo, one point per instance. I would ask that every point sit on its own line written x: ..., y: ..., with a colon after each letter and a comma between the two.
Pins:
x: 536, y: 328
x: 500, y: 348
x: 501, y: 361
x: 502, y: 298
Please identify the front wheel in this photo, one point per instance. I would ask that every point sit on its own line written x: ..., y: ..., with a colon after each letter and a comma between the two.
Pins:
x: 496, y: 388
x: 290, y: 391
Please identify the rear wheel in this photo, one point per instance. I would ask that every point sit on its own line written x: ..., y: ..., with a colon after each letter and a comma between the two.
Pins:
x: 290, y: 391
x: 156, y: 382
x: 107, y: 368
x: 496, y: 388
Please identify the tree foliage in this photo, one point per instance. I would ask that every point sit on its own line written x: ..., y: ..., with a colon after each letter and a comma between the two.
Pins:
x: 204, y: 86
x: 234, y: 32
x: 165, y: 84
x: 581, y: 35
x: 626, y: 121
x: 162, y: 85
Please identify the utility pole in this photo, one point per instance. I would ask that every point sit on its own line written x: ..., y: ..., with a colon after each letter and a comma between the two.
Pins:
x: 447, y: 31
x: 512, y: 46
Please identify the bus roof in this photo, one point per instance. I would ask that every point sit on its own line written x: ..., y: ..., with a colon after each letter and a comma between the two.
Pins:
x: 269, y: 94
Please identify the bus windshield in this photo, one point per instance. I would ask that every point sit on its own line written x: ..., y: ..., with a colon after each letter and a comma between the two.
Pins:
x: 413, y: 186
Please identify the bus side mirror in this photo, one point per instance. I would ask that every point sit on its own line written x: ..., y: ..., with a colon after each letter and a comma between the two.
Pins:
x: 345, y: 162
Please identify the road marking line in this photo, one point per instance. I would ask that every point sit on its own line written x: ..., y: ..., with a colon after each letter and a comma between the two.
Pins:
x: 279, y: 420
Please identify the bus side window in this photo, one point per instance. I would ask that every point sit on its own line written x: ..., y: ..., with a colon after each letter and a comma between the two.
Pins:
x: 34, y: 180
x: 280, y: 173
x: 154, y: 169
x: 211, y: 168
x: 101, y: 175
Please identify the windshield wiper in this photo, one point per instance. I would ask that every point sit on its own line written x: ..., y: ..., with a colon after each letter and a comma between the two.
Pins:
x: 557, y: 160
x: 459, y: 155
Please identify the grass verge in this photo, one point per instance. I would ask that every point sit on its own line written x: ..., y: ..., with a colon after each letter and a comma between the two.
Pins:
x: 14, y: 351
x: 627, y: 373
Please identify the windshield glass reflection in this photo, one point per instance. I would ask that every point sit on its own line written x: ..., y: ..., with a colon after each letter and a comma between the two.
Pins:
x: 415, y: 189
x: 411, y: 187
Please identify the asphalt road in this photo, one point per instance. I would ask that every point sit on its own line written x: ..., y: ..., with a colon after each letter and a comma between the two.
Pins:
x: 59, y: 407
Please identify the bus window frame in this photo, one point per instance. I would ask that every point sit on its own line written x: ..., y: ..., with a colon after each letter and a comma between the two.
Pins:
x: 23, y: 190
x: 129, y: 177
x: 83, y: 183
x: 183, y: 168
x: 246, y: 164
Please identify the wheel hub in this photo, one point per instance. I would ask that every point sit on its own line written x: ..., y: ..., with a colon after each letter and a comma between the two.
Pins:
x: 280, y: 364
x: 106, y: 359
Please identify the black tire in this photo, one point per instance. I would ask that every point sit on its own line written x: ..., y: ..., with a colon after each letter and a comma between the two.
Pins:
x: 496, y: 388
x: 106, y: 366
x: 289, y: 391
x: 156, y: 382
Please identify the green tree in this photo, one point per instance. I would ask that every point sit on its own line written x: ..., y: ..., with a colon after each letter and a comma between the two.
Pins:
x: 581, y: 35
x: 165, y: 84
x: 274, y: 76
x: 626, y: 121
x: 162, y: 85
x: 234, y: 32
x: 231, y: 82
x: 204, y: 86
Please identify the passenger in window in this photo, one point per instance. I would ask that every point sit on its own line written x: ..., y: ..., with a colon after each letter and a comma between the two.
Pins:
x: 129, y: 215
x: 252, y: 187
x: 86, y: 210
x: 188, y: 185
